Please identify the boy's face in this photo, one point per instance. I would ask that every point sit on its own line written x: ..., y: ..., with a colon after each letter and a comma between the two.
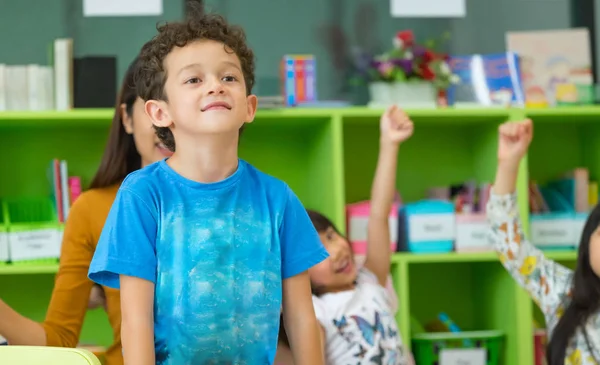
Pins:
x: 206, y: 91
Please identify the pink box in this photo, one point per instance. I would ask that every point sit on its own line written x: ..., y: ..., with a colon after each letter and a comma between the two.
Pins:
x: 357, y: 217
x: 472, y: 231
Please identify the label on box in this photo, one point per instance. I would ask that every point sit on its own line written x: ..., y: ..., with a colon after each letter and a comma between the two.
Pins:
x: 4, y: 247
x: 463, y: 356
x: 431, y: 227
x: 358, y: 229
x: 548, y: 232
x: 472, y: 235
x: 35, y: 244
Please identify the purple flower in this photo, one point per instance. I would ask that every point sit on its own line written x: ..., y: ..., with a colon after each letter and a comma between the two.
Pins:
x: 405, y: 65
x: 419, y: 51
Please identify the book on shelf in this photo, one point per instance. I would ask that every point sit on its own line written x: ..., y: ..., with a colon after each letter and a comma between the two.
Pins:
x: 65, y: 189
x: 556, y: 66
x: 570, y: 192
x: 63, y: 84
x: 490, y: 80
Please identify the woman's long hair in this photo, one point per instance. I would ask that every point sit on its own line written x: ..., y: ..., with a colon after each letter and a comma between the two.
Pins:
x: 120, y: 155
x: 584, y: 301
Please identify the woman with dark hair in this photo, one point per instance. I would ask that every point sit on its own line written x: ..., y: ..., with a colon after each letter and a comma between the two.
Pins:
x: 570, y: 300
x: 131, y: 145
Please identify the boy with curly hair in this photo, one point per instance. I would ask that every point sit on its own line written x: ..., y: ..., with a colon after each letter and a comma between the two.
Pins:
x: 205, y: 248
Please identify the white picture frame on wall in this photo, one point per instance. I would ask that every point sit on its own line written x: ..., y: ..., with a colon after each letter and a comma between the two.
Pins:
x: 98, y: 8
x: 428, y: 8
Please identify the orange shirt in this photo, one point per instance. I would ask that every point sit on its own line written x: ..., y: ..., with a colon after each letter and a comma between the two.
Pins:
x: 72, y: 287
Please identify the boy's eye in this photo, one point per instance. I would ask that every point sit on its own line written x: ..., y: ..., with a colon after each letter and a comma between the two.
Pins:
x: 329, y: 236
x: 229, y: 78
x: 193, y: 80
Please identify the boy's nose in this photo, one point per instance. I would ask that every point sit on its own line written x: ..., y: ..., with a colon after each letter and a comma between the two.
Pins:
x: 215, y: 87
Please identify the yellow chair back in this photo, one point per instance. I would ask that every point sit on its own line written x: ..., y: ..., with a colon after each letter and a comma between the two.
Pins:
x: 46, y: 355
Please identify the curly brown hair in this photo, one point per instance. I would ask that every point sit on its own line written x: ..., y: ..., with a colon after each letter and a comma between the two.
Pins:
x: 151, y: 76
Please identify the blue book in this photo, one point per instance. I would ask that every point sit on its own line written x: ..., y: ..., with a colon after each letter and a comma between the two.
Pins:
x: 492, y: 80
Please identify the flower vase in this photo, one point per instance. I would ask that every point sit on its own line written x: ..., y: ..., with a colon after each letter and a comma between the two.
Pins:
x: 415, y: 94
x: 381, y: 93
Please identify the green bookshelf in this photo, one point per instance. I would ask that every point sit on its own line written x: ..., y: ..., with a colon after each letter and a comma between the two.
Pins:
x: 337, y: 149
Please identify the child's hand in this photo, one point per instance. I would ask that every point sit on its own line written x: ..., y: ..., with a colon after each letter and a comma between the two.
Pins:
x: 513, y: 140
x: 395, y: 125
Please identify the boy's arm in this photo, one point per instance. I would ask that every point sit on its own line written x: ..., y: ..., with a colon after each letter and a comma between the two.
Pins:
x: 304, y: 332
x: 125, y: 259
x: 301, y: 249
x: 545, y: 280
x: 396, y: 127
x: 137, y: 324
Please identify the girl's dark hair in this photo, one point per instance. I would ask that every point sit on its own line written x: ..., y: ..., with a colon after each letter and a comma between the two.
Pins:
x: 320, y: 222
x: 120, y: 155
x: 585, y: 298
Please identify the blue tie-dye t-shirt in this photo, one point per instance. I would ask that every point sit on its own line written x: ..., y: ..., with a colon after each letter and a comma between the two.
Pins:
x: 217, y: 254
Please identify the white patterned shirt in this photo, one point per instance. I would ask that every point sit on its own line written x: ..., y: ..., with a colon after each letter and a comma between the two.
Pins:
x: 547, y: 282
x: 359, y: 325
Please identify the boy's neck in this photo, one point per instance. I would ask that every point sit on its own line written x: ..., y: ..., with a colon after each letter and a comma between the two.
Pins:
x: 209, y: 160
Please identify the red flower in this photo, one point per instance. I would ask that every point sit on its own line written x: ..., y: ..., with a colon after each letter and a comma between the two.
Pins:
x: 427, y: 72
x: 428, y: 56
x: 406, y: 36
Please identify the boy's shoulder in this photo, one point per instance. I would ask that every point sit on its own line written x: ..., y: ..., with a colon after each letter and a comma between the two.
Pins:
x: 270, y: 183
x: 145, y: 180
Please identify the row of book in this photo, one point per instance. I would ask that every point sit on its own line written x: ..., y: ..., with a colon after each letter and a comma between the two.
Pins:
x: 65, y: 188
x: 39, y: 87
x: 64, y: 83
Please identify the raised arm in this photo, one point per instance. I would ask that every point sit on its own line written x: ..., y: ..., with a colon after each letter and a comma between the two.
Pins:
x: 70, y: 295
x: 545, y: 280
x: 395, y: 128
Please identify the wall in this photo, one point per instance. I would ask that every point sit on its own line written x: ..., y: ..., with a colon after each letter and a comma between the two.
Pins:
x: 327, y: 28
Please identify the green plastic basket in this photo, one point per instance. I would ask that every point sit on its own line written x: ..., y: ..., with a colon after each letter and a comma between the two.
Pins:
x: 30, y: 215
x: 428, y: 347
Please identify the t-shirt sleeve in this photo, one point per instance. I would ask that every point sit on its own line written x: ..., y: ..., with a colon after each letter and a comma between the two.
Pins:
x: 127, y: 242
x: 301, y: 247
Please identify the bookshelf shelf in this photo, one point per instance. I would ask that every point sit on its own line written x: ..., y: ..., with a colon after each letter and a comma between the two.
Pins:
x: 26, y: 269
x: 337, y: 148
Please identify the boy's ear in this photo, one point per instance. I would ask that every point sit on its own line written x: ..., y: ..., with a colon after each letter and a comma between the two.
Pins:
x: 252, y: 104
x: 158, y: 112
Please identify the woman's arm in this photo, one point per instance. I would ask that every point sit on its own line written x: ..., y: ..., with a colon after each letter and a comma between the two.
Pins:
x: 70, y: 295
x: 20, y: 330
x: 395, y: 127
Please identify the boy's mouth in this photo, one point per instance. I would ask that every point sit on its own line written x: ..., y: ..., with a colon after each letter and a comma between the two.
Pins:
x: 217, y: 105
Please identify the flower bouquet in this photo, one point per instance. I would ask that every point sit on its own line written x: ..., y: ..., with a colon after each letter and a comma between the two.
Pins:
x: 408, y: 74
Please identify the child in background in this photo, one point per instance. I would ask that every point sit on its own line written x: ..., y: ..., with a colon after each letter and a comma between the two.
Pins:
x: 205, y: 248
x: 355, y: 310
x: 570, y: 300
